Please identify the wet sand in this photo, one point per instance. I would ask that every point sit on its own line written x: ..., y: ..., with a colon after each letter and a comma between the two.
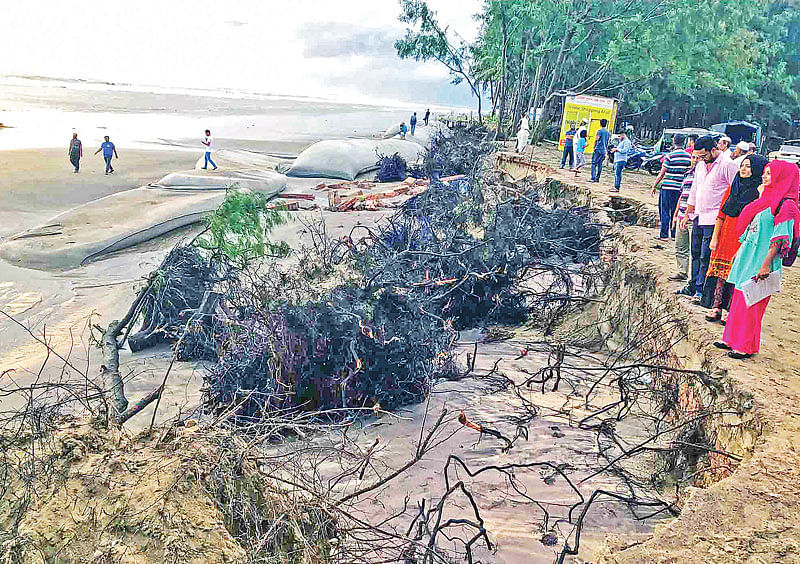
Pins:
x: 36, y: 184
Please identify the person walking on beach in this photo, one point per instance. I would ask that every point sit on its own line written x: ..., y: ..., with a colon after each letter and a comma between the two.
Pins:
x: 580, y: 155
x: 725, y: 240
x: 621, y: 154
x: 208, y: 143
x: 413, y: 122
x: 673, y: 171
x: 768, y: 229
x: 427, y: 116
x: 109, y: 151
x: 600, y: 149
x: 713, y: 175
x: 403, y: 130
x: 75, y: 152
x: 569, y: 138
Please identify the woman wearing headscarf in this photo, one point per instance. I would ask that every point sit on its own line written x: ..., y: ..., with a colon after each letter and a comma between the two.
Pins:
x: 725, y: 240
x: 767, y: 229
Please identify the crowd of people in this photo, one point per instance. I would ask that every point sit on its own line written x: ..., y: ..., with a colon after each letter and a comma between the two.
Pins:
x: 575, y: 144
x: 734, y: 218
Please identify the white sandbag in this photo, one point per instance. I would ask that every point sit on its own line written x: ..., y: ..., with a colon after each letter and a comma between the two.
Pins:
x: 347, y: 158
x: 112, y: 223
x: 255, y: 180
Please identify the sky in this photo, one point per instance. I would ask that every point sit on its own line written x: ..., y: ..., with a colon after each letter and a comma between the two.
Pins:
x: 342, y: 49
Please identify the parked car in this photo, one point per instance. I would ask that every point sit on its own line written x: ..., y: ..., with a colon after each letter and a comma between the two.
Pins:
x: 789, y: 151
x: 739, y: 131
x: 664, y: 143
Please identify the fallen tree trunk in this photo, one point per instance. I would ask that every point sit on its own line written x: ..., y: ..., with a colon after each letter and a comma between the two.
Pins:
x: 110, y: 368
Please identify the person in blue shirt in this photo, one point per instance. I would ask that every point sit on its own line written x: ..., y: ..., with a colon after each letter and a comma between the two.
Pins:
x: 568, y: 149
x: 109, y: 151
x: 413, y: 123
x: 621, y: 154
x: 600, y: 149
x: 403, y: 130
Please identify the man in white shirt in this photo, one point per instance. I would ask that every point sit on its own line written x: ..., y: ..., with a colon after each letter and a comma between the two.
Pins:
x: 741, y: 150
x: 724, y: 145
x: 208, y: 143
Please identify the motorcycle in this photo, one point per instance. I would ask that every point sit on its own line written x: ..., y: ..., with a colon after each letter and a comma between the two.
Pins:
x: 642, y: 158
x: 653, y: 163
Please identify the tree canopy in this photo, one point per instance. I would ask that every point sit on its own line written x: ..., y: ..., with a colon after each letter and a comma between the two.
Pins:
x: 697, y: 62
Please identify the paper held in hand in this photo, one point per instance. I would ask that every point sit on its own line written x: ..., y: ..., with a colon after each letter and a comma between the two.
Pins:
x: 754, y: 291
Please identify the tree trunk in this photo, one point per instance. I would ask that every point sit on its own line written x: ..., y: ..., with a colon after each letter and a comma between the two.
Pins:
x: 503, y: 79
x: 517, y: 101
x: 110, y: 368
x: 537, y: 84
x: 562, y: 51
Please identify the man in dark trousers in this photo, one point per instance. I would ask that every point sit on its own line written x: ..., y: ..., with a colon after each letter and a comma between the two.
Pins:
x: 109, y: 151
x: 712, y: 179
x: 427, y: 116
x: 569, y: 136
x: 413, y: 123
x: 673, y: 171
x: 600, y: 150
x: 75, y: 152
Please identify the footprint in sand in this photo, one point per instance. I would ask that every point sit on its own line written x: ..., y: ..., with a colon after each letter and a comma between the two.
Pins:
x: 13, y: 302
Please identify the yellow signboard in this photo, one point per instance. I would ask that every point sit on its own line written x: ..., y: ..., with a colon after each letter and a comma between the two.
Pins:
x: 591, y: 108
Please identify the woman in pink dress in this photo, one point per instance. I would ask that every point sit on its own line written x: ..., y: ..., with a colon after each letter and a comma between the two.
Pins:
x: 766, y: 228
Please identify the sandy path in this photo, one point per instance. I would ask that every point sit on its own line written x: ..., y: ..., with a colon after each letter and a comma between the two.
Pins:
x: 514, y: 521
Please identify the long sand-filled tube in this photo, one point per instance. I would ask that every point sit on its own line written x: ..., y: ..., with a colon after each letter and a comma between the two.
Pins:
x: 257, y: 180
x: 110, y: 224
x: 347, y: 158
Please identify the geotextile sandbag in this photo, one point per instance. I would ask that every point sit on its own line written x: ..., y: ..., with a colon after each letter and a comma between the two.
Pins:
x: 345, y: 159
x: 255, y: 180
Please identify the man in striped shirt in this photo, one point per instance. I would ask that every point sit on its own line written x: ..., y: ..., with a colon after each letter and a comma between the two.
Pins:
x: 673, y: 170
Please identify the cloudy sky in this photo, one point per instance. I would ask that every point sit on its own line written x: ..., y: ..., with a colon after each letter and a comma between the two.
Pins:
x: 341, y: 49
